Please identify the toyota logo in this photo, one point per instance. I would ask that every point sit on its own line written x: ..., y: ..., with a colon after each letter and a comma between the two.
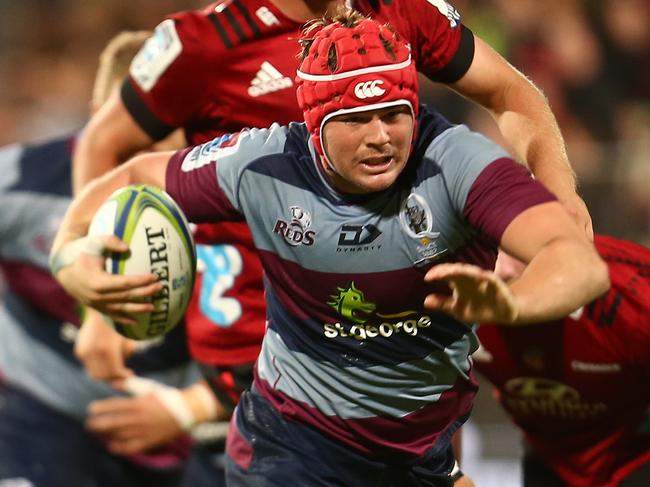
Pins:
x: 369, y: 89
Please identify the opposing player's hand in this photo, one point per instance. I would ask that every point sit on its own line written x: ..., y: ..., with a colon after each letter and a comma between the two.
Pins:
x: 79, y: 267
x: 132, y: 424
x: 477, y: 295
x: 102, y: 350
x: 155, y: 415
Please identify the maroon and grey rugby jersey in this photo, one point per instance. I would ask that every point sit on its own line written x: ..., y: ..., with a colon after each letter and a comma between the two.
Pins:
x: 232, y: 65
x: 579, y: 388
x: 349, y: 348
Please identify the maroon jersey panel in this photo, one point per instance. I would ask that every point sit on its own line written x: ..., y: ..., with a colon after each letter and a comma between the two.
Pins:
x: 579, y: 388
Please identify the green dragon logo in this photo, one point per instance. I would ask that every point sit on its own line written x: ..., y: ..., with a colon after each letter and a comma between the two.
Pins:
x: 350, y: 301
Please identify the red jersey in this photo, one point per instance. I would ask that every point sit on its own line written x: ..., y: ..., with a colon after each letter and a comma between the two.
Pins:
x: 232, y: 65
x: 579, y: 388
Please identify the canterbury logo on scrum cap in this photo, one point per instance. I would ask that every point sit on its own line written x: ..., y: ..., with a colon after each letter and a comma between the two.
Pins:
x: 369, y: 89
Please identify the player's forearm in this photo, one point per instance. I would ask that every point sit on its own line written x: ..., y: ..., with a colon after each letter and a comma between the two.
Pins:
x: 565, y: 275
x: 529, y: 126
x: 110, y: 138
x: 83, y: 207
x: 92, y: 159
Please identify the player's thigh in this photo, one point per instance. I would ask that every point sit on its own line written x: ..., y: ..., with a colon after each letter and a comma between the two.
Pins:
x: 264, y: 450
x: 206, y: 466
x: 38, y: 446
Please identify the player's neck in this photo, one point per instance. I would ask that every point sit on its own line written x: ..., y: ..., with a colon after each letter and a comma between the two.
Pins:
x: 304, y: 10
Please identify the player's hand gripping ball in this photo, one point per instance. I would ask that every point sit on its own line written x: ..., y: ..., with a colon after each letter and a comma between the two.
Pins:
x: 160, y: 241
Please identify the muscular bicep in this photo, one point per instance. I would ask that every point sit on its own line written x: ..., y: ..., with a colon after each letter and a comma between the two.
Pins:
x: 536, y: 227
x: 149, y: 169
x: 110, y: 138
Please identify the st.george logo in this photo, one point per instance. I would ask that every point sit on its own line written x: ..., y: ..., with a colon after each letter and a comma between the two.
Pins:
x: 369, y: 89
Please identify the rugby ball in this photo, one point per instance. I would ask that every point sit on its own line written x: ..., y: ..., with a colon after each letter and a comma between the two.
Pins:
x: 150, y: 222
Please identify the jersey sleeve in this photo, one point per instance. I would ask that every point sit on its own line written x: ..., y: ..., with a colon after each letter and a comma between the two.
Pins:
x: 485, y: 185
x: 169, y: 74
x: 205, y: 180
x: 442, y: 47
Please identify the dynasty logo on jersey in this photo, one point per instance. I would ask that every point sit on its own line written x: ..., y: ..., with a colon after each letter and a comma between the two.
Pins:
x: 267, y: 80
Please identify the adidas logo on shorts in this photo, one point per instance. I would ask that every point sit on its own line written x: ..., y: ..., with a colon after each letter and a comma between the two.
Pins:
x: 267, y: 80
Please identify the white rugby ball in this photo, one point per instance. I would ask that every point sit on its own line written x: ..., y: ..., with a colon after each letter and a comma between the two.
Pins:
x: 150, y: 222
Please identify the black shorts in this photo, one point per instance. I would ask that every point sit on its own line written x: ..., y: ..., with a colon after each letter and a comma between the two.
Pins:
x: 266, y: 450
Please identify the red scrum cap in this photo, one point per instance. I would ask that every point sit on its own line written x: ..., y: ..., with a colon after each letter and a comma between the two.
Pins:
x: 373, y: 69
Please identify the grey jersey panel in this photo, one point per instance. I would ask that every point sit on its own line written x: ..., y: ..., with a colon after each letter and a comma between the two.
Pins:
x: 462, y: 155
x: 355, y: 238
x: 28, y: 223
x: 357, y: 393
x: 247, y: 145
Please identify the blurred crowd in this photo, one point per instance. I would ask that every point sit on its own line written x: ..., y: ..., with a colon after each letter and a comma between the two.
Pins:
x: 590, y: 57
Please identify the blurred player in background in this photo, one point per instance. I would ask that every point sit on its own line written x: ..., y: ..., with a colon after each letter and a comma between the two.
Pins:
x: 579, y: 388
x: 44, y: 391
x: 231, y: 65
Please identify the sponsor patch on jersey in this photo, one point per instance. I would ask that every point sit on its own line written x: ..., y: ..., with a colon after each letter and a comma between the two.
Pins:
x: 417, y: 221
x: 209, y: 152
x: 157, y: 54
x: 538, y: 396
x: 266, y: 16
x: 359, y: 238
x: 448, y: 11
x: 296, y: 231
x: 362, y: 321
x: 595, y: 368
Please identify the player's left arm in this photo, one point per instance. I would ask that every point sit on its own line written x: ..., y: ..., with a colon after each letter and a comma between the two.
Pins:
x: 564, y: 272
x: 77, y: 262
x: 564, y: 269
x: 527, y: 123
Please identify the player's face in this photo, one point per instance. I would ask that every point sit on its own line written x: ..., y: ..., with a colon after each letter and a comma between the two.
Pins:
x: 368, y: 149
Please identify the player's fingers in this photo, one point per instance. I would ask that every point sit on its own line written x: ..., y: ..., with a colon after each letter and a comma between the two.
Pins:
x: 104, y: 367
x: 129, y: 308
x: 129, y: 446
x: 114, y: 244
x: 437, y: 302
x: 107, y: 283
x: 449, y: 271
x: 111, y: 405
x: 137, y: 294
x: 120, y: 317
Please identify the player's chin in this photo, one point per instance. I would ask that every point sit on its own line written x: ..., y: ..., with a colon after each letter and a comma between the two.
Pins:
x: 378, y: 181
